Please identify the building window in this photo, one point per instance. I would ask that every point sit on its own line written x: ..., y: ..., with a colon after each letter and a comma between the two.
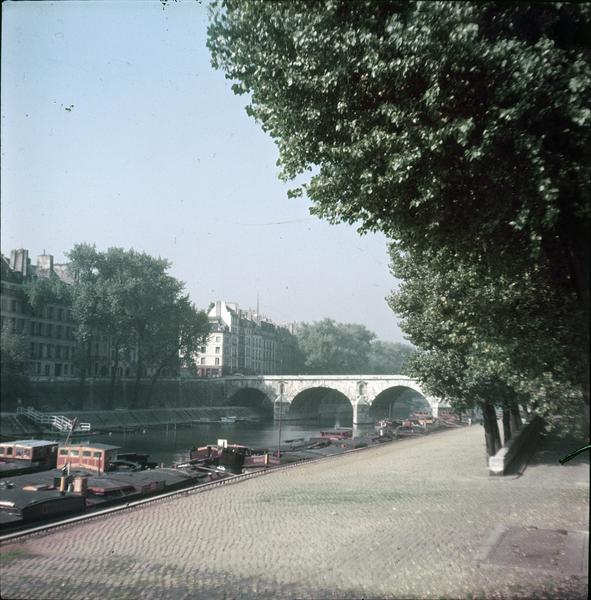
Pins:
x: 203, y: 349
x: 50, y: 312
x: 202, y: 361
x: 217, y: 361
x: 46, y: 370
x: 217, y: 338
x: 217, y: 349
x: 63, y: 452
x: 74, y: 453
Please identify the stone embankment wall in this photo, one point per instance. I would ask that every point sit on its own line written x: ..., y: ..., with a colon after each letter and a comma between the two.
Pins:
x: 69, y: 395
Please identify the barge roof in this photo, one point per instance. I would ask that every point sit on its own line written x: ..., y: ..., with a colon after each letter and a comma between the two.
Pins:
x: 30, y: 443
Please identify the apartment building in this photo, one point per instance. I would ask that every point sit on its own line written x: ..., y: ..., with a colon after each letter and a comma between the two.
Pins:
x: 245, y: 342
x: 48, y: 330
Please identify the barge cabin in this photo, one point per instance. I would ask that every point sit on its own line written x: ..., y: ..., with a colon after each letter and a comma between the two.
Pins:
x: 27, y: 456
x: 93, y: 457
x: 338, y: 433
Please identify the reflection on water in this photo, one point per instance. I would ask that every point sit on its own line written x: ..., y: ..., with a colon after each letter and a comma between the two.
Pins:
x: 173, y: 445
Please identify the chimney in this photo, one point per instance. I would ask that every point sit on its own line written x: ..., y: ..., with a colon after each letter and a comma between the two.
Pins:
x: 19, y: 261
x: 45, y: 263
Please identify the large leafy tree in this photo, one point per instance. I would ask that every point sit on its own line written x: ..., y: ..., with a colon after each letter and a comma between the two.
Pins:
x: 329, y: 347
x: 388, y: 358
x: 129, y: 297
x: 484, y: 341
x: 175, y: 338
x: 459, y: 127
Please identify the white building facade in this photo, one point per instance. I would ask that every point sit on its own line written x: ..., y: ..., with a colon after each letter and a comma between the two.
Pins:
x: 242, y: 341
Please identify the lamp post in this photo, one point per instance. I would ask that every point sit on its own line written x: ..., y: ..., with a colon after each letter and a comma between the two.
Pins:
x: 281, y: 386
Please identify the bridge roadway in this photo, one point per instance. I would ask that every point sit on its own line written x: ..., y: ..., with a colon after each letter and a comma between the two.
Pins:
x: 361, y: 390
x: 411, y: 519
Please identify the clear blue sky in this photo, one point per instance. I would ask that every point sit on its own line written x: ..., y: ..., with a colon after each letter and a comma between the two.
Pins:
x: 157, y: 153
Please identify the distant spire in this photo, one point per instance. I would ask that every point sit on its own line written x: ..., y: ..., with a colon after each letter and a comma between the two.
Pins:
x: 258, y: 313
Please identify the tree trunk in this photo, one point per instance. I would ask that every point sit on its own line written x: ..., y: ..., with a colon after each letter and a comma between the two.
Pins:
x: 491, y: 429
x: 84, y: 372
x: 153, y: 384
x: 113, y: 378
x: 516, y: 421
x: 138, y: 376
x: 506, y: 425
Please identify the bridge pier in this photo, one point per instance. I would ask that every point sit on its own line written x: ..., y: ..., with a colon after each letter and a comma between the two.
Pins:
x: 361, y: 411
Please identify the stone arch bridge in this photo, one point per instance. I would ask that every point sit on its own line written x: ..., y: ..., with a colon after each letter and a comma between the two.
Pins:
x: 361, y: 390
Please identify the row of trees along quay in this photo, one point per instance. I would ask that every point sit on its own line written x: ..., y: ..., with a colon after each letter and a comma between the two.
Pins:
x: 461, y: 131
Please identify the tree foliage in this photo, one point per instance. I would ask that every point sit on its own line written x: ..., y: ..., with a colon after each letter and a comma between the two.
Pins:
x: 461, y: 130
x: 444, y: 124
x: 41, y: 291
x: 331, y: 347
x: 388, y: 358
x: 130, y: 297
x: 328, y: 347
x: 485, y: 341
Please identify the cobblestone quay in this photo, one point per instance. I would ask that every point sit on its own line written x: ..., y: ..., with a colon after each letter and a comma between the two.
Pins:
x: 413, y: 519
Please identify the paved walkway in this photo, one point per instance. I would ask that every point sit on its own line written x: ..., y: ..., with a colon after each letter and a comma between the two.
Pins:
x: 405, y: 520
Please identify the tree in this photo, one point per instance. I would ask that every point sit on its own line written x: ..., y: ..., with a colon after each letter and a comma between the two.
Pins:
x: 453, y: 126
x: 175, y: 338
x: 387, y: 358
x: 129, y: 296
x: 329, y: 347
x: 40, y: 291
x: 482, y: 341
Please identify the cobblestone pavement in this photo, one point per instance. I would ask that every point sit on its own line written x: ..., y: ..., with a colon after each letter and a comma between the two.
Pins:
x: 403, y: 520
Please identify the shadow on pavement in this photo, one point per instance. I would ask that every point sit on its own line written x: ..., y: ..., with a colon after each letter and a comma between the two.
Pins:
x: 548, y: 449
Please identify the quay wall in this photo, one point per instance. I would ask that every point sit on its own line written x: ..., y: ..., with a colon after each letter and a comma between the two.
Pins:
x: 96, y: 394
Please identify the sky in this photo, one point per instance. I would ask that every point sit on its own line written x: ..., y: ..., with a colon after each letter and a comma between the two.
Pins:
x: 117, y: 131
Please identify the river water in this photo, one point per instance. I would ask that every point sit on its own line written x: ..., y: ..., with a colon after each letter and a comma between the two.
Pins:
x: 172, y: 445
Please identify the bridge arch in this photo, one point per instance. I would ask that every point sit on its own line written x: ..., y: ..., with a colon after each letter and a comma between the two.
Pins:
x: 397, y: 401
x: 320, y: 402
x: 254, y: 398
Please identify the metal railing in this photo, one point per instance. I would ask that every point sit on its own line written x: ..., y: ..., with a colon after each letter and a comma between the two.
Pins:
x: 58, y: 422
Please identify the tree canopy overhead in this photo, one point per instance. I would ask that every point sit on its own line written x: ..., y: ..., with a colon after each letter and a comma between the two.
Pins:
x: 460, y: 129
x: 443, y: 124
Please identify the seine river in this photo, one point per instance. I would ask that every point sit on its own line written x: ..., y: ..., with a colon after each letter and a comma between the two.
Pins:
x: 173, y: 446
